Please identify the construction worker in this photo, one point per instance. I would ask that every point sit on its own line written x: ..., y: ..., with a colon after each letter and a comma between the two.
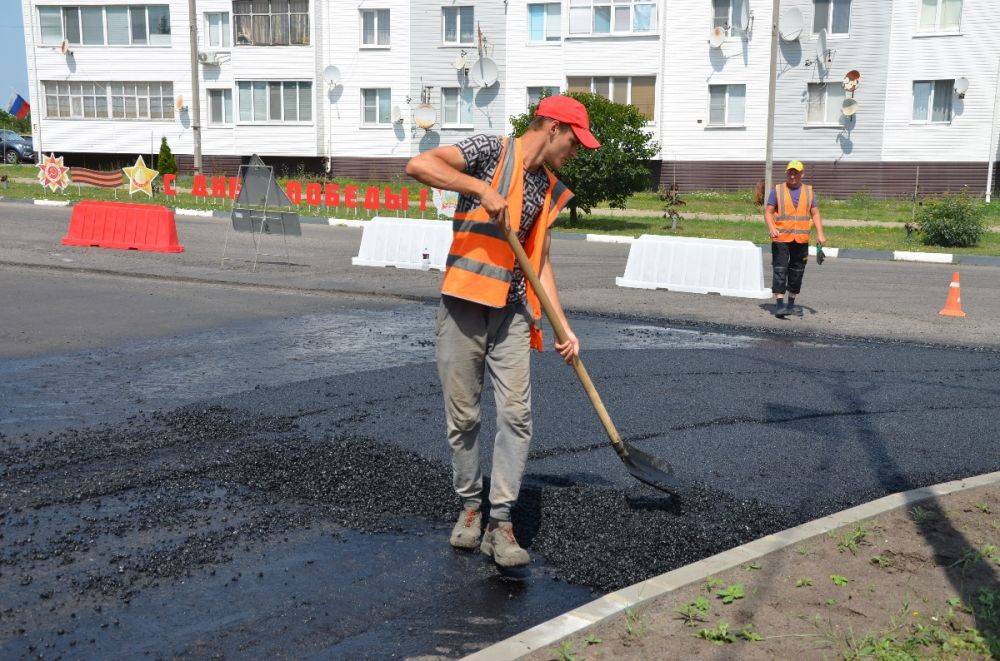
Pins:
x: 790, y: 213
x: 489, y: 316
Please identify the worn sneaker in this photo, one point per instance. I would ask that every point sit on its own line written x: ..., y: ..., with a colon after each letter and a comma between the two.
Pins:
x: 465, y: 534
x: 780, y: 309
x: 500, y: 543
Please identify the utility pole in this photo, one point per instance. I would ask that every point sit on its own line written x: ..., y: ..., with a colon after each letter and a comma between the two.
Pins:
x: 195, y: 87
x: 771, y: 87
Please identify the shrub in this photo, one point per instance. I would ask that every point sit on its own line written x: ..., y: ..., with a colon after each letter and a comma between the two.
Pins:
x: 165, y: 162
x: 951, y: 221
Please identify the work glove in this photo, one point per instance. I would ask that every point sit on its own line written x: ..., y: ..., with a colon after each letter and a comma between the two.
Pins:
x: 820, y: 256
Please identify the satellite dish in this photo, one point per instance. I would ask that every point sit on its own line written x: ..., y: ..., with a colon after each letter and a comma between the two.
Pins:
x: 424, y: 116
x: 821, y: 45
x: 459, y: 62
x: 849, y: 107
x: 484, y: 72
x: 397, y: 115
x: 745, y: 16
x: 852, y: 80
x: 961, y: 87
x: 716, y: 37
x: 331, y: 75
x: 179, y: 103
x: 790, y: 24
x: 64, y: 48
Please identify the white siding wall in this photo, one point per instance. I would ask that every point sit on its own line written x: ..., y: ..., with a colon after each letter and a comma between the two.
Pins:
x: 365, y: 68
x: 972, y: 53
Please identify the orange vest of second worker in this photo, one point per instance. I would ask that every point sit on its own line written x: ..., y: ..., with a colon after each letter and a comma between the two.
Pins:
x: 480, y: 262
x: 793, y: 221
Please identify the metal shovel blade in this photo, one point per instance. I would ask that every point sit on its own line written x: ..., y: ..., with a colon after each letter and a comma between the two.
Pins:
x: 655, y: 472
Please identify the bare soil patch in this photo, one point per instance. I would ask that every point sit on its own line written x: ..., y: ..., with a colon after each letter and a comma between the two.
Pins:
x: 917, y: 582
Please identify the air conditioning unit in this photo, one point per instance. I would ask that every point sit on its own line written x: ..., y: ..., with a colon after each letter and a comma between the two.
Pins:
x: 208, y: 57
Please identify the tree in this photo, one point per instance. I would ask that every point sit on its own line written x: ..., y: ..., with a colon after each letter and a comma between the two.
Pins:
x: 11, y: 123
x: 165, y: 162
x: 616, y: 170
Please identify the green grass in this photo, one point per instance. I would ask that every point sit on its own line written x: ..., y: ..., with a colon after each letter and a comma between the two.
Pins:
x: 860, y: 206
x: 866, y: 238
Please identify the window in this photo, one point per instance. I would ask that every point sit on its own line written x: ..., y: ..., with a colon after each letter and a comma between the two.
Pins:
x: 217, y: 29
x: 834, y: 16
x: 271, y: 22
x: 727, y: 105
x: 457, y: 105
x: 535, y: 93
x: 375, y: 107
x: 113, y: 26
x: 458, y: 26
x: 262, y: 102
x: 374, y: 27
x: 544, y: 22
x: 728, y: 14
x: 602, y: 17
x: 103, y: 100
x: 932, y: 100
x: 220, y: 106
x: 940, y: 15
x: 824, y: 104
x: 639, y: 91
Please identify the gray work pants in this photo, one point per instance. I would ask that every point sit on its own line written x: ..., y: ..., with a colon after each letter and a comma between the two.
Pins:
x: 471, y: 339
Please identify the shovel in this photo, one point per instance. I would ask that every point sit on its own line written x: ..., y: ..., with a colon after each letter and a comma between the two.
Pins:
x: 645, y: 468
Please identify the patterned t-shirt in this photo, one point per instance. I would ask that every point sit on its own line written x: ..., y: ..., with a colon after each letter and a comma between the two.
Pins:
x: 482, y: 155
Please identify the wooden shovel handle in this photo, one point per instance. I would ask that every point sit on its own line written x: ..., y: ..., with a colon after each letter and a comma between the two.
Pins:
x: 560, y: 331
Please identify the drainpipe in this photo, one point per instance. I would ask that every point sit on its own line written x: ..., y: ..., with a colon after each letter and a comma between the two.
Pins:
x: 195, y: 87
x: 993, y: 130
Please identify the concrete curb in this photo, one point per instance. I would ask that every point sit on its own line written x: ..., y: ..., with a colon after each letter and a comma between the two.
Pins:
x: 52, y: 203
x: 200, y: 213
x: 611, y: 604
x: 934, y: 257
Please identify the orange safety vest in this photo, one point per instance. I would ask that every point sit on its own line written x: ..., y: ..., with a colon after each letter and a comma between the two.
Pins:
x: 793, y: 222
x: 480, y: 262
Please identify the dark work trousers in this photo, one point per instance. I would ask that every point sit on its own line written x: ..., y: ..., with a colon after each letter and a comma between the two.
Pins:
x: 789, y: 263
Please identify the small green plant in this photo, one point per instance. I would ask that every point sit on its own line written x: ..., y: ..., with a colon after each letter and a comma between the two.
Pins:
x: 165, y: 161
x: 804, y: 582
x: 831, y: 602
x: 720, y: 635
x: 923, y: 514
x: 695, y: 611
x: 635, y: 625
x: 751, y: 566
x: 748, y: 634
x: 983, y: 507
x: 731, y: 593
x: 861, y: 199
x: 952, y: 221
x: 881, y: 561
x: 989, y: 604
x: 839, y: 580
x: 853, y: 538
x: 802, y: 550
x: 592, y: 639
x: 564, y: 652
x: 712, y: 582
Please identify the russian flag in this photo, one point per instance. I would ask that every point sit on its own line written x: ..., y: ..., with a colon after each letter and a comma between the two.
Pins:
x: 19, y: 107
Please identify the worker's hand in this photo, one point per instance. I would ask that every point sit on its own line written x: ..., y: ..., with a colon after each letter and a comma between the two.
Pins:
x: 820, y: 239
x: 569, y: 349
x: 773, y: 231
x: 492, y: 201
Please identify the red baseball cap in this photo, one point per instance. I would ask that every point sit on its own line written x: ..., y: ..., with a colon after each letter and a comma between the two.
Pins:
x: 571, y: 112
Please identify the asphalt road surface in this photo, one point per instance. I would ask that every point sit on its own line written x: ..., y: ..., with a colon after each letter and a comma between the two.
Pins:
x: 258, y: 468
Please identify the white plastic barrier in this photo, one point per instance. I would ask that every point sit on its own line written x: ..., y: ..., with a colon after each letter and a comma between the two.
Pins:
x: 400, y: 242
x: 700, y: 266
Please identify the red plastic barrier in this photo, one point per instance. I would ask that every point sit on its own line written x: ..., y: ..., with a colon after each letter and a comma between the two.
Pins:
x: 123, y: 226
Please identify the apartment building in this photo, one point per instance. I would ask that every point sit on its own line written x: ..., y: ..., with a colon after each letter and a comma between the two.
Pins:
x: 334, y: 83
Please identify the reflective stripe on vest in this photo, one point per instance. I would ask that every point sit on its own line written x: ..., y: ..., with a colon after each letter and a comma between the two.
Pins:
x: 794, y: 221
x: 480, y: 262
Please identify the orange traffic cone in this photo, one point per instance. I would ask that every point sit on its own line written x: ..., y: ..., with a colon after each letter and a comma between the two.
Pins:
x: 953, y: 306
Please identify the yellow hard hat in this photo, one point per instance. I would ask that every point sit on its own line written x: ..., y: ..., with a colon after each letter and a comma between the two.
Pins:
x: 795, y: 165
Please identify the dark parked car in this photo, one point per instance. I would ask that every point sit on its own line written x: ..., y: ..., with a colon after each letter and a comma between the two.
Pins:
x: 16, y: 149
